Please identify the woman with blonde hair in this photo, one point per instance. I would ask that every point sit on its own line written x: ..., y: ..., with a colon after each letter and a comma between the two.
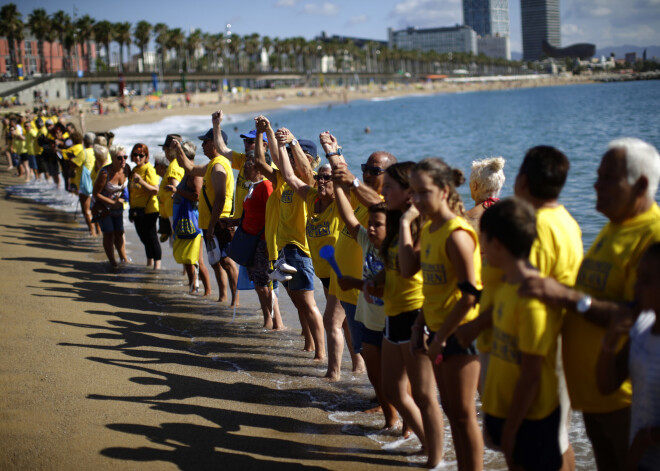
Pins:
x: 486, y: 182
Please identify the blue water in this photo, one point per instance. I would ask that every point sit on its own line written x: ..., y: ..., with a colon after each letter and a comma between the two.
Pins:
x: 580, y: 120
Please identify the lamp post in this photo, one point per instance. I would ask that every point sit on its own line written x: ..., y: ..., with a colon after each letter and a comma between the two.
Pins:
x: 225, y: 84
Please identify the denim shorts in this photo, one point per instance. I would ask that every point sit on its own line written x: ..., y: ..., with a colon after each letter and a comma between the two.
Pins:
x: 32, y: 162
x: 398, y: 329
x: 113, y: 222
x: 303, y: 279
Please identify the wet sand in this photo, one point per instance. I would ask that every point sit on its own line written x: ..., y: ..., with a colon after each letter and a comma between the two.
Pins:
x: 106, y: 369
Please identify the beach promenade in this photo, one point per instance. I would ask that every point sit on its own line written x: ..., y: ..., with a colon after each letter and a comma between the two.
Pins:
x: 94, y: 376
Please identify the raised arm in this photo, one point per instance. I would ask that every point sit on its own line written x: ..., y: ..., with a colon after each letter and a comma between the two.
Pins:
x: 408, y: 248
x: 219, y: 182
x: 263, y: 125
x: 186, y: 163
x: 346, y: 211
x: 300, y: 187
x: 218, y: 141
x: 302, y: 164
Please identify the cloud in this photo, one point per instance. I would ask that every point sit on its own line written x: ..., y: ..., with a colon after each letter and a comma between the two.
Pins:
x: 286, y: 3
x: 427, y: 13
x: 356, y: 20
x: 324, y: 9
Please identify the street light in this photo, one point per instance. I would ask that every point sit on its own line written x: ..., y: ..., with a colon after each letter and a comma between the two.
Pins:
x: 224, y: 65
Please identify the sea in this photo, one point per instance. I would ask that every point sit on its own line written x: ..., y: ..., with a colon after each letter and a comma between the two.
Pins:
x: 460, y: 127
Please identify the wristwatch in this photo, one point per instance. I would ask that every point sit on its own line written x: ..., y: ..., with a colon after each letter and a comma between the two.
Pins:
x: 583, y: 304
x: 330, y: 154
x: 355, y: 183
x: 294, y: 143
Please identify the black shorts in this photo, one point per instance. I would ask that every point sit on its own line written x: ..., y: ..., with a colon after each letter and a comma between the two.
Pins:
x: 398, y: 329
x: 537, y: 441
x: 325, y: 282
x: 452, y: 347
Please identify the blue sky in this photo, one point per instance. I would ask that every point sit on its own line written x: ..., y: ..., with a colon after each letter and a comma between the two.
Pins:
x: 602, y: 22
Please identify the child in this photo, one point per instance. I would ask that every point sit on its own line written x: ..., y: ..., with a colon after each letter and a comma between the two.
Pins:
x: 520, y: 400
x: 403, y: 298
x: 370, y: 315
x: 639, y: 359
x: 448, y: 253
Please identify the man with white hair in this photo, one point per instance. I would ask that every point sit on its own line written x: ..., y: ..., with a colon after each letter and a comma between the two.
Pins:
x: 625, y: 190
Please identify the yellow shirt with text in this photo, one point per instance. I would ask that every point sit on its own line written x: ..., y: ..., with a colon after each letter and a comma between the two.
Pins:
x: 440, y: 283
x: 322, y: 229
x: 292, y: 215
x: 608, y: 271
x: 227, y: 209
x: 401, y: 294
x: 520, y: 325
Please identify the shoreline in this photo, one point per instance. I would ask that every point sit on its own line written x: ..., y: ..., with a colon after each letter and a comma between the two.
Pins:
x: 115, y: 370
x: 263, y: 100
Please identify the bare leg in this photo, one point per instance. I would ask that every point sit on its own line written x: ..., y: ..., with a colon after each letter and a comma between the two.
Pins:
x: 306, y: 333
x: 277, y: 318
x: 204, y: 273
x: 87, y: 213
x: 263, y: 292
x: 356, y: 358
x: 333, y: 318
x: 120, y: 245
x: 108, y: 238
x: 314, y: 320
x: 190, y: 272
x: 372, y: 360
x: 221, y: 279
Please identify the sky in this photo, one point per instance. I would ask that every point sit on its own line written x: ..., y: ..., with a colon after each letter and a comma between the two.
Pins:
x: 601, y: 22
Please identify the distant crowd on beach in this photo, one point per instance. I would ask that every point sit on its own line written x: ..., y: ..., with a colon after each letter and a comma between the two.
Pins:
x: 431, y: 298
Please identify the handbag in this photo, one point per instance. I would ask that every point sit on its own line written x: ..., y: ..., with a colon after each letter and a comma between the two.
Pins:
x: 243, y: 246
x: 99, y: 211
x: 186, y: 221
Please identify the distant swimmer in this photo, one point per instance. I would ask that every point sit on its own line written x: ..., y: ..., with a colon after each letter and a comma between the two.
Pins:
x: 367, y: 130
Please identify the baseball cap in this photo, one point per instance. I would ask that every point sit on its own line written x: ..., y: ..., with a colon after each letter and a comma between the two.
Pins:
x: 209, y: 136
x: 253, y: 135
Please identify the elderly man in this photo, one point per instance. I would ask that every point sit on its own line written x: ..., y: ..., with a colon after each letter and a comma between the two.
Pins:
x: 625, y: 190
x: 349, y: 253
x: 216, y: 202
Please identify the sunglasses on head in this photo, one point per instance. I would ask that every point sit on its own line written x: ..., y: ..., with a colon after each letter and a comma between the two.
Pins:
x: 323, y: 177
x: 372, y: 170
x: 139, y: 156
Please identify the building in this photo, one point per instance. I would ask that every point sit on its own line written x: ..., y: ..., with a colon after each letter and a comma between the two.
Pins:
x: 487, y: 17
x: 540, y: 21
x: 442, y: 40
x: 495, y: 46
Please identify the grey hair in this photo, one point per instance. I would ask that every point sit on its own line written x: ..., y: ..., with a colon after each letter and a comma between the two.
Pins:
x: 159, y: 159
x: 642, y: 159
x: 115, y: 148
x: 189, y: 148
x: 487, y: 178
x: 324, y: 167
x: 100, y: 151
x: 88, y: 139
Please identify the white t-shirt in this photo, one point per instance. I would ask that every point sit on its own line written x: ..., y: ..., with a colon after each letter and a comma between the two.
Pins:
x: 644, y: 366
x: 371, y: 315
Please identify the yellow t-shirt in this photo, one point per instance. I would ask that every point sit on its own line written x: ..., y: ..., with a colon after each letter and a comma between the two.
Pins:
x: 31, y: 142
x: 95, y: 171
x: 17, y: 142
x: 138, y: 196
x: 70, y: 152
x: 491, y: 277
x: 227, y: 209
x: 520, y: 325
x: 165, y: 200
x: 273, y: 221
x: 322, y: 229
x: 293, y: 215
x: 401, y: 294
x: 43, y: 131
x: 84, y: 158
x: 242, y: 185
x: 608, y: 271
x: 440, y: 290
x: 348, y: 255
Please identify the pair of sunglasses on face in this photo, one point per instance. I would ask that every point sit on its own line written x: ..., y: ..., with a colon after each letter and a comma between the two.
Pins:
x: 375, y: 171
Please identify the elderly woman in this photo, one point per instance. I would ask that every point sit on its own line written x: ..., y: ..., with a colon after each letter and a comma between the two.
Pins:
x: 187, y: 246
x: 109, y: 196
x: 143, y: 188
x: 486, y: 182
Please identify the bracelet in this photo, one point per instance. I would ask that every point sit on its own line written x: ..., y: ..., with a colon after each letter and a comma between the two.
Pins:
x: 606, y: 348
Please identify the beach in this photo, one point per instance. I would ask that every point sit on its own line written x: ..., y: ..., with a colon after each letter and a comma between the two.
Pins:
x: 101, y: 369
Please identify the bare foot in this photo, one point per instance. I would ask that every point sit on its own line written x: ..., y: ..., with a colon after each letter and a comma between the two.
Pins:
x: 268, y: 325
x: 207, y: 293
x: 222, y: 299
x: 330, y: 378
x: 406, y: 431
x: 318, y: 357
x: 392, y: 426
x: 374, y: 410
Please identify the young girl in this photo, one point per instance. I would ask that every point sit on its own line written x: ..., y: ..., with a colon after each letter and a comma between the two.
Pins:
x: 448, y: 254
x: 403, y: 300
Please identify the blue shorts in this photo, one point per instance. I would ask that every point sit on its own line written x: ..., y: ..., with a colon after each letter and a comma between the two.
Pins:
x: 32, y: 162
x: 398, y: 329
x: 113, y: 222
x: 372, y: 337
x: 452, y: 347
x: 356, y: 327
x: 303, y: 279
x: 537, y: 441
x: 15, y: 159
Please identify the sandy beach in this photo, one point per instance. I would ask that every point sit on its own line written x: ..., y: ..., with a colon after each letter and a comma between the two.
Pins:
x: 96, y: 374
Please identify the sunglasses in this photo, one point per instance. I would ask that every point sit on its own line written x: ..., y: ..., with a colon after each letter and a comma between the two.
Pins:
x: 375, y: 171
x: 139, y: 156
x: 323, y: 177
x: 122, y: 157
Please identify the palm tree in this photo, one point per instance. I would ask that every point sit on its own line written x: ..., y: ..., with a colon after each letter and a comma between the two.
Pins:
x: 122, y: 37
x: 142, y: 35
x: 192, y: 43
x: 162, y: 37
x: 12, y: 26
x: 61, y: 24
x: 104, y: 34
x: 39, y: 25
x: 51, y: 37
x: 175, y: 41
x: 85, y: 32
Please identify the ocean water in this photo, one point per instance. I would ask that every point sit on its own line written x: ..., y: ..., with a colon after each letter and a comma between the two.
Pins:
x: 580, y: 120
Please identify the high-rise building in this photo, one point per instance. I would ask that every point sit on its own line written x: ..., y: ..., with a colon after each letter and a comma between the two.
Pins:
x: 540, y: 20
x: 487, y: 17
x: 442, y: 40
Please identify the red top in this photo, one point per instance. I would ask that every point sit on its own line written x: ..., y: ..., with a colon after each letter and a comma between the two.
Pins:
x: 254, y: 208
